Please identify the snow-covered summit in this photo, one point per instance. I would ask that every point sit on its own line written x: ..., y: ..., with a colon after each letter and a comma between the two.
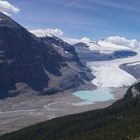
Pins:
x: 108, y: 45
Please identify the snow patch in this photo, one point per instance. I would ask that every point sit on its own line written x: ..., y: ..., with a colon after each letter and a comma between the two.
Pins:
x: 47, y: 32
x: 133, y: 64
x: 45, y: 70
x: 55, y: 46
x: 66, y: 52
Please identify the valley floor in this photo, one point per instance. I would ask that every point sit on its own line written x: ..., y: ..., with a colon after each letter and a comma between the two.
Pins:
x: 22, y: 111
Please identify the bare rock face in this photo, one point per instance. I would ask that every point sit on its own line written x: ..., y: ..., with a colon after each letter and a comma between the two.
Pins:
x: 63, y: 48
x: 24, y: 58
x: 133, y: 91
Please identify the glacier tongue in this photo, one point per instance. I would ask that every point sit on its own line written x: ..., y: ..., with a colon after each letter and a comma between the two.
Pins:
x: 110, y: 75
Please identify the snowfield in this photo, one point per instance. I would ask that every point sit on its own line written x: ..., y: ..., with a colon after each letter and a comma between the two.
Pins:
x: 134, y: 63
x: 109, y: 74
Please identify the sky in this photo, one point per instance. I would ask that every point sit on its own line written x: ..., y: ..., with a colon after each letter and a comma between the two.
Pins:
x: 78, y: 18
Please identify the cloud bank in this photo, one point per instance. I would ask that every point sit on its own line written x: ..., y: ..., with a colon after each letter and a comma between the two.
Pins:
x: 47, y: 32
x: 112, y: 43
x: 131, y: 43
x: 120, y: 43
x: 7, y: 8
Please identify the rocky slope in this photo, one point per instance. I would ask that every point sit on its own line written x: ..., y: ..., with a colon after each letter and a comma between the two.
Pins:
x: 66, y: 50
x: 26, y: 59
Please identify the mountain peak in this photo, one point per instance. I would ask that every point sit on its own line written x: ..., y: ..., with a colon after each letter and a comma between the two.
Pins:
x: 7, y: 21
x: 27, y: 59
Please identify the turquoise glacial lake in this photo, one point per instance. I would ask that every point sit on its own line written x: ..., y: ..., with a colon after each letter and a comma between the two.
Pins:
x: 92, y: 96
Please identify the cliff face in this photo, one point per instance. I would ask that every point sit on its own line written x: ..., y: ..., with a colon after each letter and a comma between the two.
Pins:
x: 24, y: 58
x: 65, y: 49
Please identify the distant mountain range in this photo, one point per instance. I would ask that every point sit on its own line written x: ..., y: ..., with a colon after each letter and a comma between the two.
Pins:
x: 47, y: 65
x: 87, y: 55
x: 120, y: 121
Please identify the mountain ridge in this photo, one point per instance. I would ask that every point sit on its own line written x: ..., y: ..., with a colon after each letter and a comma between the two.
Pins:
x: 26, y: 59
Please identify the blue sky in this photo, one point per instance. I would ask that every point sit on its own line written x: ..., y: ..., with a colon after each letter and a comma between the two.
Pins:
x: 78, y: 18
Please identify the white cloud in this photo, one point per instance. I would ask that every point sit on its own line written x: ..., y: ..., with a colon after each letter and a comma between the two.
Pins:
x: 73, y: 3
x: 47, y: 32
x: 103, y: 46
x: 73, y: 41
x: 132, y: 43
x: 85, y: 39
x: 7, y: 8
x: 118, y: 43
x: 108, y: 45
